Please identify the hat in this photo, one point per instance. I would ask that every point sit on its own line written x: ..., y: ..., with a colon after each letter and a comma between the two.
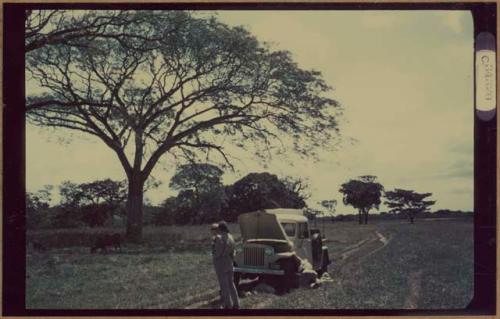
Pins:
x: 223, y: 227
x: 214, y: 226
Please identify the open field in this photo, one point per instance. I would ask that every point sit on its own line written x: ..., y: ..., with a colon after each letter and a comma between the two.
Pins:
x: 391, y: 265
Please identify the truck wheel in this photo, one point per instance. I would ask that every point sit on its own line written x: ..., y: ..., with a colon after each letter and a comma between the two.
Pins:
x: 290, y: 279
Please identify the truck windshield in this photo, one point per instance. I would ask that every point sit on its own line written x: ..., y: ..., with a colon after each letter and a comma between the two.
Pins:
x: 303, y: 231
x: 289, y: 229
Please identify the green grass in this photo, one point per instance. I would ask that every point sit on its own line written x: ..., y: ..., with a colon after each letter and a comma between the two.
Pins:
x: 441, y: 251
x: 175, y: 271
x: 143, y: 280
x: 153, y: 236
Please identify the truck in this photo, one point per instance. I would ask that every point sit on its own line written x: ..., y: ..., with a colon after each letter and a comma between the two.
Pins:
x: 276, y: 244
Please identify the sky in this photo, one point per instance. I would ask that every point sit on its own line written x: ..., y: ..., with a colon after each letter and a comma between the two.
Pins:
x: 404, y: 79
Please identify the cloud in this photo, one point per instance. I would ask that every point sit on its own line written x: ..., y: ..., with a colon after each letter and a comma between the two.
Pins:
x: 465, y: 148
x: 458, y: 169
x: 462, y: 190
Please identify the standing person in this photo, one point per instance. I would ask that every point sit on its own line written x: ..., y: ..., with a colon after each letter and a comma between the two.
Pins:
x: 214, y: 230
x: 223, y: 261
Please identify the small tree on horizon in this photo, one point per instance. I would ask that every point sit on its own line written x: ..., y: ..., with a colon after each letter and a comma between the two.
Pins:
x: 408, y: 201
x: 330, y: 205
x: 363, y: 194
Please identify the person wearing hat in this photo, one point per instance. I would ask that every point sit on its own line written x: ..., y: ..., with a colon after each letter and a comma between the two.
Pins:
x: 223, y: 261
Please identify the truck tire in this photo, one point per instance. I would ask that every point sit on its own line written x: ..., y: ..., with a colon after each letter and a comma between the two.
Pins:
x: 291, y: 279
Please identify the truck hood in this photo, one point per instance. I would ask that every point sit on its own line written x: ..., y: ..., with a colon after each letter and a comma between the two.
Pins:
x: 261, y: 225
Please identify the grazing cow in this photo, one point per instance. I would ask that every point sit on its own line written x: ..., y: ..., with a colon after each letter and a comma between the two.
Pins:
x: 116, y: 241
x: 107, y: 240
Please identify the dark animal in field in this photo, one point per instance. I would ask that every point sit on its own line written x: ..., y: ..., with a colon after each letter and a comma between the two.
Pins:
x: 38, y: 246
x: 107, y: 240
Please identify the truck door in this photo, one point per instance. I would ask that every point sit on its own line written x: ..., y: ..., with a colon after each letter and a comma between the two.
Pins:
x: 304, y: 242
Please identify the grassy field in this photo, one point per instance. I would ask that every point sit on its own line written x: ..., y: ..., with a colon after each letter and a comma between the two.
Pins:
x: 390, y: 265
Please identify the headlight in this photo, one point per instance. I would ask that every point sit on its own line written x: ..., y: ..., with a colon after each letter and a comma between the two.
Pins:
x: 268, y: 251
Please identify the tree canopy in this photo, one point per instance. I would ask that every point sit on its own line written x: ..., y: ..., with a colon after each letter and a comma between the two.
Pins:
x: 37, y: 204
x: 408, y: 202
x: 170, y: 82
x: 201, y: 177
x: 297, y: 185
x: 101, y: 191
x: 210, y: 204
x: 92, y: 203
x: 330, y: 205
x: 363, y: 194
x: 260, y: 191
x: 201, y: 198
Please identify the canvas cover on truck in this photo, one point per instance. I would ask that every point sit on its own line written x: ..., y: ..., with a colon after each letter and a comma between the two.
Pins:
x: 261, y: 225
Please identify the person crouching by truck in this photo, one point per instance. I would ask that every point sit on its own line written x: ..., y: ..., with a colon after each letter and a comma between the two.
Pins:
x: 223, y: 253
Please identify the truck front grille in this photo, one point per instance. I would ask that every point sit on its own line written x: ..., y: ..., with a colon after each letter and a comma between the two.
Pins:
x: 254, y: 256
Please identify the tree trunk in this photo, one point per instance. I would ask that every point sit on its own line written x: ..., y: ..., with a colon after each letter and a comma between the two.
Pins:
x: 134, y: 210
x: 360, y: 217
x: 411, y: 219
x: 366, y: 217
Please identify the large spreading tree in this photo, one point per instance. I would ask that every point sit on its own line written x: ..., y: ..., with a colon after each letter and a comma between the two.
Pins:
x: 76, y: 28
x: 170, y: 82
x: 408, y: 202
x: 363, y: 194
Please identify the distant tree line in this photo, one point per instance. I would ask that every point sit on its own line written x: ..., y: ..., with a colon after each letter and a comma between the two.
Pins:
x: 202, y: 198
x: 441, y: 213
x: 92, y: 204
